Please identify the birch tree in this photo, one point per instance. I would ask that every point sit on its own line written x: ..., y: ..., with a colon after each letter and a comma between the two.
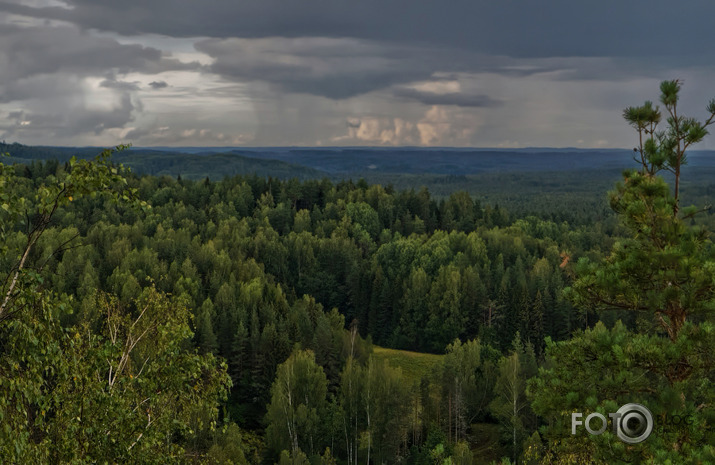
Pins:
x: 297, y: 405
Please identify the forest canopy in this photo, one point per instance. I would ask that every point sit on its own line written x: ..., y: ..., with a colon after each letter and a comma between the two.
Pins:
x: 151, y: 319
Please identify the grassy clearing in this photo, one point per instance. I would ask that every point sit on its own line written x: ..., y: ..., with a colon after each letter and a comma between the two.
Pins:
x: 483, y: 438
x: 414, y: 365
x: 485, y: 445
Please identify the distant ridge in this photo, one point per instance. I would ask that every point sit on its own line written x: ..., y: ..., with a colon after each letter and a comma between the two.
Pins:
x: 342, y: 162
x: 172, y: 163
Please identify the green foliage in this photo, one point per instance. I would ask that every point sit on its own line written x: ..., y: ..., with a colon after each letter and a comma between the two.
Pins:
x: 666, y: 267
x: 264, y: 266
x: 601, y: 369
x: 247, y: 270
x: 467, y: 377
x: 665, y: 271
x: 33, y: 213
x: 297, y: 405
x: 386, y: 403
x: 414, y: 365
x: 461, y: 454
x: 234, y: 446
x: 296, y: 458
x: 510, y: 405
x: 375, y: 402
x: 117, y: 386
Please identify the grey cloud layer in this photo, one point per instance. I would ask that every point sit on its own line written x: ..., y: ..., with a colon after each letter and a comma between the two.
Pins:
x: 333, y: 68
x: 516, y: 28
x: 27, y: 51
x: 277, y: 72
x: 344, y: 68
x: 450, y: 98
x: 158, y: 84
x: 119, y: 85
x: 54, y: 105
x: 43, y: 70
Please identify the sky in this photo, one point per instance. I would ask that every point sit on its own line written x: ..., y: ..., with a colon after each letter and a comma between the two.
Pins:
x: 508, y: 73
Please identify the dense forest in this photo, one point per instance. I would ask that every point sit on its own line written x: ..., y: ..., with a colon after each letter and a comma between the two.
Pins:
x: 160, y: 319
x: 554, y: 184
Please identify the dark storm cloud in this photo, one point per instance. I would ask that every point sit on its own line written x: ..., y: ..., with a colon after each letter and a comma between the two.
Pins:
x: 119, y: 85
x: 340, y: 50
x: 332, y: 68
x: 423, y: 70
x: 89, y: 119
x: 39, y: 87
x: 53, y: 106
x: 158, y: 84
x: 343, y: 68
x: 516, y: 28
x: 450, y: 98
x: 46, y: 69
x: 28, y: 51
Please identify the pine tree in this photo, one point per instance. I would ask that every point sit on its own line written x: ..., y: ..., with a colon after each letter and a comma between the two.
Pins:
x: 665, y: 272
x: 665, y: 268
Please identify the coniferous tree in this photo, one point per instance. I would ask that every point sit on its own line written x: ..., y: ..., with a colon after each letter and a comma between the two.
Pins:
x: 665, y: 272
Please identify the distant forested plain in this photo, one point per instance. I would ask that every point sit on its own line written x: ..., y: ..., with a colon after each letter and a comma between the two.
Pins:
x: 560, y: 184
x: 362, y: 305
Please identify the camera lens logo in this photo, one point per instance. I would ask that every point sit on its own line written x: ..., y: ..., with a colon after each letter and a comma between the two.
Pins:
x: 632, y: 423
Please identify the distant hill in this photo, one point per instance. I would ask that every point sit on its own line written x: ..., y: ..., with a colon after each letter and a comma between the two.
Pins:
x: 353, y: 161
x: 173, y: 163
x: 442, y: 160
x: 21, y: 153
x: 550, y: 181
x: 214, y: 165
x: 455, y: 161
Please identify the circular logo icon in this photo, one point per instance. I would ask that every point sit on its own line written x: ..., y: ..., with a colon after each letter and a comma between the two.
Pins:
x: 635, y: 423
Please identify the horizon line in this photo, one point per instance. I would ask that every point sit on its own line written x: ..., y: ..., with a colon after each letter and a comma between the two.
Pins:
x: 382, y: 147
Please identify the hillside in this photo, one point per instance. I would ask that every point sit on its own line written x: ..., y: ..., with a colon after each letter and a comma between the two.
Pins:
x: 414, y: 365
x: 172, y: 163
x: 558, y: 184
x: 483, y: 438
